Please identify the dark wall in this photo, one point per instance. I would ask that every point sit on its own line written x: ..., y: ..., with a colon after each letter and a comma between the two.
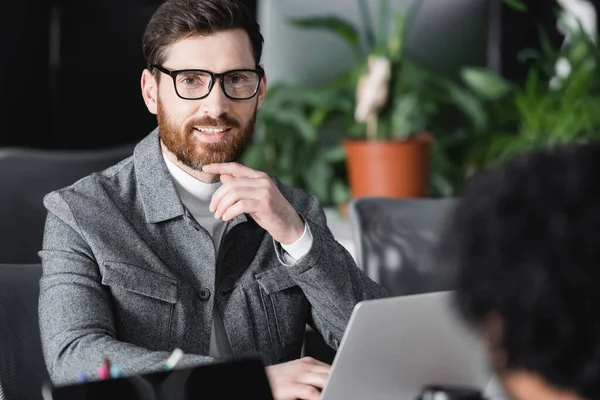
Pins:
x: 96, y: 97
x: 521, y: 30
x: 70, y: 72
x: 25, y: 115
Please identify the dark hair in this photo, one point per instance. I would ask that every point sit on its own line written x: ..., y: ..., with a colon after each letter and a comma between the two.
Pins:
x: 177, y: 19
x: 525, y: 245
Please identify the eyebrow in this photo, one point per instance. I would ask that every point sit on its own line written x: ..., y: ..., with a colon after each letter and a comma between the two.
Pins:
x: 206, y: 69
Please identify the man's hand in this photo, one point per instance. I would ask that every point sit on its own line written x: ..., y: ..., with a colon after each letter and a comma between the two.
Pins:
x: 245, y: 190
x: 298, y: 379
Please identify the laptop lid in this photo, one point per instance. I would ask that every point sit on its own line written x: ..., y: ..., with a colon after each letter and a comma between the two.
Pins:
x: 393, y: 347
x: 237, y: 379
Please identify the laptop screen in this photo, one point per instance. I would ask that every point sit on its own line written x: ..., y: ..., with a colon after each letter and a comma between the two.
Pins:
x: 238, y: 379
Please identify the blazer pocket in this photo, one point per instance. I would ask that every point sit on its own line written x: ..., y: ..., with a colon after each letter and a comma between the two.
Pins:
x: 144, y: 303
x: 141, y: 281
x: 285, y: 306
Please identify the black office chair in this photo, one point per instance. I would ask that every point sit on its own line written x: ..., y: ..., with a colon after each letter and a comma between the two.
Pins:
x: 26, y: 175
x: 395, y: 241
x: 22, y: 367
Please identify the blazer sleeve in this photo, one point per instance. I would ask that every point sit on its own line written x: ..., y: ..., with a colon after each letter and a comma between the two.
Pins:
x: 76, y: 320
x: 329, y: 277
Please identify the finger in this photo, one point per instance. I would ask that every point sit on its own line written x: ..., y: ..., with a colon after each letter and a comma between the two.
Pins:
x: 316, y: 379
x: 234, y: 196
x: 230, y: 183
x: 244, y: 206
x: 234, y: 169
x: 314, y: 361
x: 300, y: 391
x: 227, y: 178
x: 228, y: 195
x: 322, y: 369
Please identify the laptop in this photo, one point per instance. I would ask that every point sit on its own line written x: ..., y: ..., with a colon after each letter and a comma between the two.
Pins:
x: 230, y: 380
x: 393, y: 347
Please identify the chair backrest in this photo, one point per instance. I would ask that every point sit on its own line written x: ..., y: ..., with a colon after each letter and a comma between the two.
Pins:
x: 22, y: 367
x: 26, y: 175
x: 395, y: 241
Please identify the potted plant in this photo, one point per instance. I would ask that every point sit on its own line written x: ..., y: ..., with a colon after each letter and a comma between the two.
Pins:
x: 388, y: 142
x: 292, y: 140
x: 559, y: 101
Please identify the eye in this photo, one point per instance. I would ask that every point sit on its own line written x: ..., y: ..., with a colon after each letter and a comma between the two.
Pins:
x: 194, y: 79
x: 237, y: 79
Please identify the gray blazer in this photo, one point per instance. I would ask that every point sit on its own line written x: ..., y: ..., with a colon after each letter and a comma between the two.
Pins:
x: 128, y: 274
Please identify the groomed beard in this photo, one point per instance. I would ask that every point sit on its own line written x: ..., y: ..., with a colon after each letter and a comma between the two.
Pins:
x: 195, y: 154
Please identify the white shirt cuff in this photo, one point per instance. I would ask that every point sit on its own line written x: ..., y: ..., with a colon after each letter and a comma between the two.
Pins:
x: 295, y: 251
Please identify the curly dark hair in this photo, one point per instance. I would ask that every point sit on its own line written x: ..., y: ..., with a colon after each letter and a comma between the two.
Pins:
x: 524, y: 243
x: 177, y: 19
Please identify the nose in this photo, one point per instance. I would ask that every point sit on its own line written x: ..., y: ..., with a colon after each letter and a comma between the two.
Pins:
x: 216, y: 103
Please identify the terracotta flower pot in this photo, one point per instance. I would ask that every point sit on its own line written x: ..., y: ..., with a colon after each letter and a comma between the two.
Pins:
x: 394, y: 168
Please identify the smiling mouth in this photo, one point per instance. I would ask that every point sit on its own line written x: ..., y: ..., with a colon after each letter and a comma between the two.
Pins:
x: 211, y: 130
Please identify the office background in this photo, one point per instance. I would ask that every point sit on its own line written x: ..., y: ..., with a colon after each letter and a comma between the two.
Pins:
x: 69, y: 70
x: 69, y: 80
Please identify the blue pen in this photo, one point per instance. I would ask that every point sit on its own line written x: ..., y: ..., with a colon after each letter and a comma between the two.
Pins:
x: 115, y: 371
x: 82, y: 377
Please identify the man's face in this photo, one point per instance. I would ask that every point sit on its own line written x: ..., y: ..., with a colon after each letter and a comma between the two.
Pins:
x: 214, y: 129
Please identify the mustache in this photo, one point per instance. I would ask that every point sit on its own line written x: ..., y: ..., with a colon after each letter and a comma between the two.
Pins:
x: 225, y: 119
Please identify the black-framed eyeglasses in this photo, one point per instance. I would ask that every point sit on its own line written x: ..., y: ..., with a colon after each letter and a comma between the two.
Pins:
x: 196, y: 84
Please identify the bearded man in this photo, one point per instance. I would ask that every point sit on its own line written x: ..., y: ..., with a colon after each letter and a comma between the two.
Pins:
x: 182, y: 247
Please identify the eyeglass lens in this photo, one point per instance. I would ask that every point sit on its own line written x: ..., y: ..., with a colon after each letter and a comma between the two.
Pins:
x: 236, y: 84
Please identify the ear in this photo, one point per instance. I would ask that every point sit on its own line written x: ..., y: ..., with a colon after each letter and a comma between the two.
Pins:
x: 262, y: 89
x: 150, y: 91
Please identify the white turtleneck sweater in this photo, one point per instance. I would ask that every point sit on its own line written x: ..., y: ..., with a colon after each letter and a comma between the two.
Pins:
x: 195, y: 196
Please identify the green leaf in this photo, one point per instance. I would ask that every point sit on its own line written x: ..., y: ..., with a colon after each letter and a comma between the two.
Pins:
x: 471, y: 106
x: 342, y: 28
x: 445, y: 174
x: 319, y: 116
x: 335, y: 155
x: 579, y: 52
x: 365, y: 14
x: 318, y: 178
x: 395, y: 44
x: 407, y: 115
x: 254, y: 157
x: 287, y: 154
x: 297, y: 121
x: 485, y: 83
x: 549, y: 52
x: 340, y: 192
x: 382, y: 33
x: 526, y: 55
x: 517, y: 5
